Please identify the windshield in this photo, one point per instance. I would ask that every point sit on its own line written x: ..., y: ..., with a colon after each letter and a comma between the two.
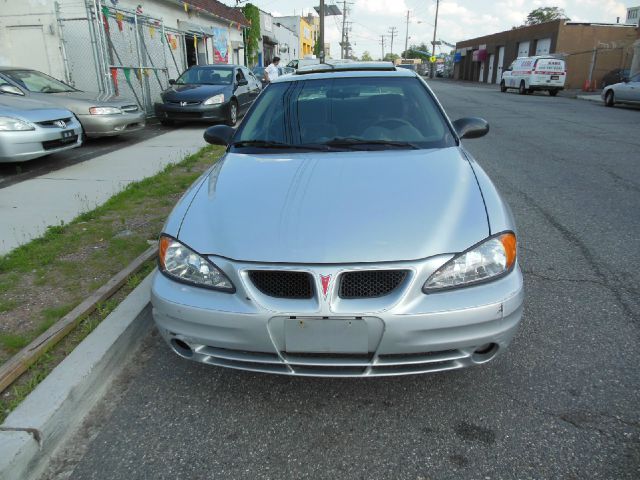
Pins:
x: 258, y: 71
x: 206, y: 76
x: 344, y: 113
x: 34, y: 81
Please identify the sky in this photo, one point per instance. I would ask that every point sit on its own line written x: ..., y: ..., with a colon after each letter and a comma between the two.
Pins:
x: 457, y: 19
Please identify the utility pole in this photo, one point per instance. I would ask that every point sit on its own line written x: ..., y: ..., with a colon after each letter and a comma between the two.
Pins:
x: 392, y: 32
x: 432, y: 69
x: 344, y: 42
x: 406, y: 38
x: 321, y: 35
x: 382, y: 43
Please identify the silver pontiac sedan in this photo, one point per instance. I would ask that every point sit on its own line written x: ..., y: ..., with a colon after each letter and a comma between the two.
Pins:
x: 345, y: 232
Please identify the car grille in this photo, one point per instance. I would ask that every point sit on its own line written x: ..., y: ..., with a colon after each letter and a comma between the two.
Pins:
x: 370, y: 283
x: 283, y: 283
x: 129, y: 108
x: 51, y: 144
x: 334, y: 365
x: 185, y: 104
x: 52, y: 123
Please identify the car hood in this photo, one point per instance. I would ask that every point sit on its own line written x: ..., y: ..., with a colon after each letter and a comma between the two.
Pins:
x: 192, y: 93
x: 342, y: 207
x: 80, y: 102
x: 30, y: 110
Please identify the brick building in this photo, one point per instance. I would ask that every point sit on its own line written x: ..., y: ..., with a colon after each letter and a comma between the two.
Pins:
x: 590, y: 50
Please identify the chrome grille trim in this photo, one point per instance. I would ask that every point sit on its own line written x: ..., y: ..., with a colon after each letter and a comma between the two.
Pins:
x: 329, y: 365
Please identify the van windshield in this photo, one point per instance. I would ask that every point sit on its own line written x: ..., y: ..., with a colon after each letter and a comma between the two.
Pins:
x: 346, y: 113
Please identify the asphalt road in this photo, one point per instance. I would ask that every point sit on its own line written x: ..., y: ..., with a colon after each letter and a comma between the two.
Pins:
x: 15, y: 172
x: 562, y: 402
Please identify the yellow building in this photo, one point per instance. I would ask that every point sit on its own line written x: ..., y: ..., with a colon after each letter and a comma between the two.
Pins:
x: 307, y: 40
x: 307, y: 29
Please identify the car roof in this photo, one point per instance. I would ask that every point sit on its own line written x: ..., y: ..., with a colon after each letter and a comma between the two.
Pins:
x: 342, y: 70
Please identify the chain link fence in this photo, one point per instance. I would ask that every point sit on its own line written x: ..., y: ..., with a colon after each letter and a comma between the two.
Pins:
x: 120, y: 52
x: 590, y: 66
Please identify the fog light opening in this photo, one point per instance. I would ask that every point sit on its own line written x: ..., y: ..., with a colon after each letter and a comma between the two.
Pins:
x: 485, y: 352
x: 181, y: 348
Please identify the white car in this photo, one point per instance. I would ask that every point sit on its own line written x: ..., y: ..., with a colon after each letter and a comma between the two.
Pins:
x: 529, y: 74
x: 627, y: 91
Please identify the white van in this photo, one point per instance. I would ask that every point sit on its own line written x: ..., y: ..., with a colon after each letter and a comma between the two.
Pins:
x: 528, y: 74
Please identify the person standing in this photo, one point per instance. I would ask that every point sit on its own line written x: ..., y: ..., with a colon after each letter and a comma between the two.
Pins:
x: 271, y: 72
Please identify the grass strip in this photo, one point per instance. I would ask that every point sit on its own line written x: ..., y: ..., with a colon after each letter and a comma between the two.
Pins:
x: 44, y: 279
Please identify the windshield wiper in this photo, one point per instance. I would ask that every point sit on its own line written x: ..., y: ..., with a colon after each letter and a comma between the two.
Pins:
x: 279, y: 145
x: 358, y: 143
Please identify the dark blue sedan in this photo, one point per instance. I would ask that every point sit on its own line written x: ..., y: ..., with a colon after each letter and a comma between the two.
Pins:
x: 212, y: 93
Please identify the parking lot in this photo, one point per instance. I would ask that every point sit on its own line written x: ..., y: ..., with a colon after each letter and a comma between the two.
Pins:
x: 562, y: 402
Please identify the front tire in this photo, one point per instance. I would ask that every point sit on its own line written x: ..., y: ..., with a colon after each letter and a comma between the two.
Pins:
x: 609, y: 100
x: 522, y: 90
x: 232, y: 116
x: 166, y: 123
x: 503, y: 87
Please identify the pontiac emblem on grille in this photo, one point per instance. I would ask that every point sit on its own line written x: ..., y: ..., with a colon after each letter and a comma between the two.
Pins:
x: 60, y: 123
x: 183, y: 104
x: 325, y: 280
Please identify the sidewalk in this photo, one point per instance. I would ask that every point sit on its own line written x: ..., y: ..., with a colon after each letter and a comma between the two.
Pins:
x: 29, y: 207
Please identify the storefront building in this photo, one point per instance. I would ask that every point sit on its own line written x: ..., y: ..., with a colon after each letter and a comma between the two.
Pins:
x: 589, y: 49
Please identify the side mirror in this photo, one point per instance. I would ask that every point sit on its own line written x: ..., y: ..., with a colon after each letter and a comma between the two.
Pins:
x: 219, y: 135
x: 471, y: 127
x: 242, y: 82
x: 10, y: 89
x: 172, y: 81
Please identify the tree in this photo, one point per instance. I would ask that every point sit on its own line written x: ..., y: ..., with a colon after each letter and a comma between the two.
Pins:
x: 366, y: 56
x: 545, y: 14
x: 416, y: 51
x: 252, y: 13
x: 390, y: 57
x: 316, y: 48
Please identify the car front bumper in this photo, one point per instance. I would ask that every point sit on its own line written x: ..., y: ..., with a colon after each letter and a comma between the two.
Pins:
x: 109, y: 125
x: 205, y: 113
x: 27, y: 145
x: 407, y: 332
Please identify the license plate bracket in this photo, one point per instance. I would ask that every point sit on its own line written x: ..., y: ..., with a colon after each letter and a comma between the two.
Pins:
x: 326, y: 335
x: 67, y: 135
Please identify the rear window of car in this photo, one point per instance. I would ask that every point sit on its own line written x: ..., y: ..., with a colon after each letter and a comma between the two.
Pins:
x: 399, y: 109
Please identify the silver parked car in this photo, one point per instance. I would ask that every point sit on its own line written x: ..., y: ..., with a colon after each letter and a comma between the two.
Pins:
x: 30, y: 129
x: 627, y: 91
x: 100, y: 115
x: 345, y: 232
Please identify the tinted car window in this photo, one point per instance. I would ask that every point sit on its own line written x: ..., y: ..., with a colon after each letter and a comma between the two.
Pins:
x: 369, y: 109
x: 206, y: 76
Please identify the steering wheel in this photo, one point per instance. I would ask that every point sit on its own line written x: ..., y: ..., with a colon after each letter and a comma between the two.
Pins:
x: 391, y: 123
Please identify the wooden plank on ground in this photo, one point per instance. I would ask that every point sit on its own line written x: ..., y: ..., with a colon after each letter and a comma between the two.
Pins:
x: 21, y: 361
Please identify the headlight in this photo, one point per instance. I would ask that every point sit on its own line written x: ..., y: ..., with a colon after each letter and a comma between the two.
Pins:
x: 215, y: 100
x: 104, y: 111
x: 8, y: 124
x: 183, y: 264
x: 492, y: 258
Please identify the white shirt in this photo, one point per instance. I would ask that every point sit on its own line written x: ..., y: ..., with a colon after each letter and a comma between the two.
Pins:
x: 272, y: 71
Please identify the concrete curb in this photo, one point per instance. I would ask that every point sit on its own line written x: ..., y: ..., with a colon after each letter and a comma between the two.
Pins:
x: 32, y: 433
x: 590, y: 98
